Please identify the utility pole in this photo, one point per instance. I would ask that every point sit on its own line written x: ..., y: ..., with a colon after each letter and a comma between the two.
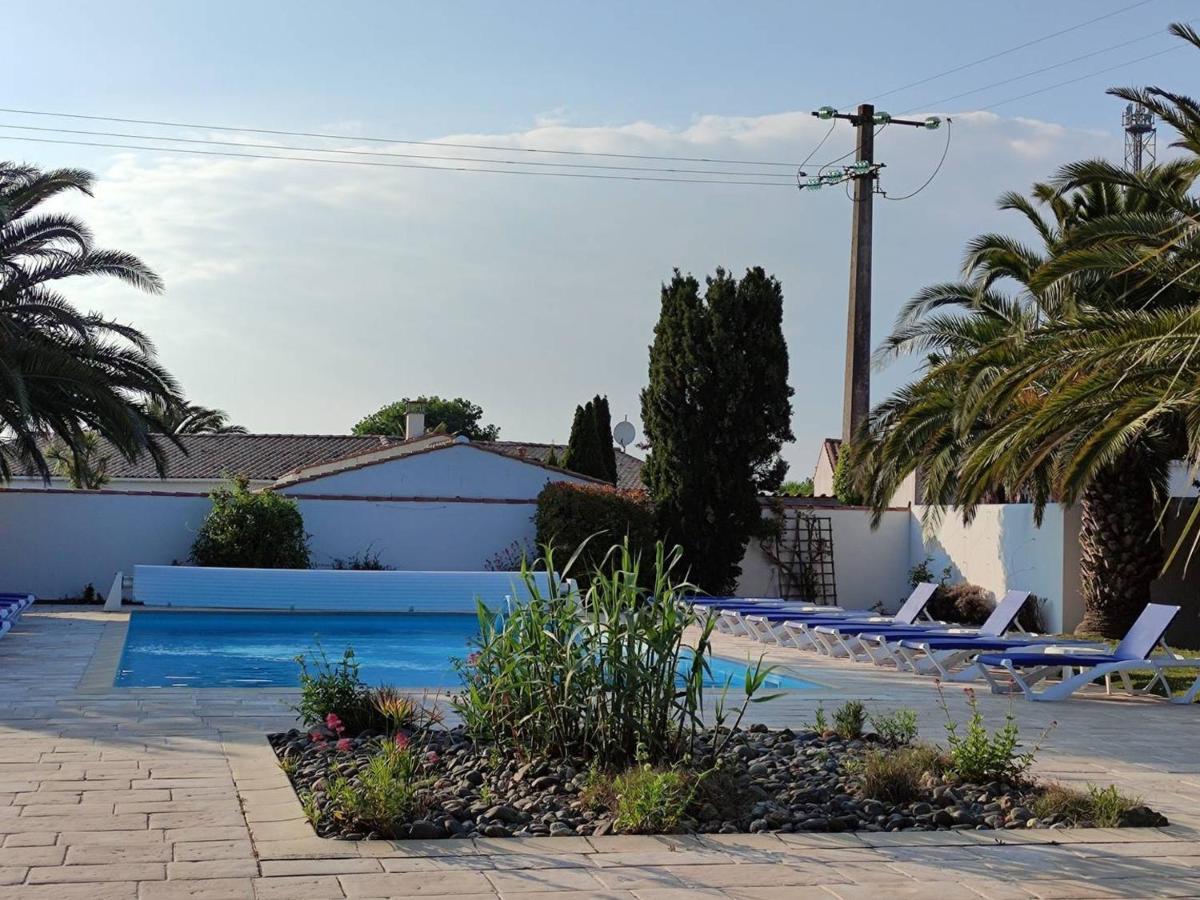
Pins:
x: 864, y: 173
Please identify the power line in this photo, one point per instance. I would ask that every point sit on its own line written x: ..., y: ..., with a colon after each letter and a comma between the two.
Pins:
x: 1000, y: 53
x: 1059, y: 84
x: 392, y: 165
x: 379, y: 140
x: 425, y: 156
x: 933, y: 175
x: 934, y: 103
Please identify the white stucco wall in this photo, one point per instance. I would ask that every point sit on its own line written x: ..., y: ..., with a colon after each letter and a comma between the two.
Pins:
x: 52, y: 544
x: 870, y: 567
x: 1002, y: 550
x: 456, y: 471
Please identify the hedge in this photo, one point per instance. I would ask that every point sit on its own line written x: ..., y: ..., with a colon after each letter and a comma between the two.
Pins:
x: 568, y: 514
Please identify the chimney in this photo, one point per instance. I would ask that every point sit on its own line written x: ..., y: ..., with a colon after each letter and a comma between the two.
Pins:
x: 414, y: 421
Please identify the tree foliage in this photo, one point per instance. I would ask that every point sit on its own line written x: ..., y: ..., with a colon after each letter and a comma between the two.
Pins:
x: 251, y: 530
x: 716, y: 413
x: 83, y: 465
x: 65, y: 374
x: 182, y: 417
x: 457, y: 416
x: 843, y: 480
x: 590, y: 447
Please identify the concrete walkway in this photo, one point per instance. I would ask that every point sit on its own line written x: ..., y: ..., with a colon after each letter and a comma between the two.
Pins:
x: 110, y: 793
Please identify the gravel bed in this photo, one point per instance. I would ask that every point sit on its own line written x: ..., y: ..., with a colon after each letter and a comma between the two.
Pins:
x: 770, y: 780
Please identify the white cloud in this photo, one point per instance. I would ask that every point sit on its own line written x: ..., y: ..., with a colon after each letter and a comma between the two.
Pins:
x: 301, y: 296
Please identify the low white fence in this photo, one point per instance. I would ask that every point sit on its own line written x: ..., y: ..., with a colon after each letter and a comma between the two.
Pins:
x: 325, y: 590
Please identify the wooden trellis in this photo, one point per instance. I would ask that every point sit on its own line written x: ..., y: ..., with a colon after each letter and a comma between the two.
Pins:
x: 802, y: 551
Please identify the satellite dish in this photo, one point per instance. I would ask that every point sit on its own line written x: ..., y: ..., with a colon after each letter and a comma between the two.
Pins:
x: 624, y: 433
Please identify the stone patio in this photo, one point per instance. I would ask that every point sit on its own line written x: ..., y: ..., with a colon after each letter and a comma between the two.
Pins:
x: 112, y: 794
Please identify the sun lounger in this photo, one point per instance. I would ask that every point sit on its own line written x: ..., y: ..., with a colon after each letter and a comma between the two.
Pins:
x: 889, y: 645
x: 1078, y: 667
x: 806, y: 632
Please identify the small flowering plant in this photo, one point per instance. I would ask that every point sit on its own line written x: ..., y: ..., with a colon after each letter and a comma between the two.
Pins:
x: 978, y: 755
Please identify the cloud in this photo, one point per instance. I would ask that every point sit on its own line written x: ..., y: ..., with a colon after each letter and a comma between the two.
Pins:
x: 301, y: 296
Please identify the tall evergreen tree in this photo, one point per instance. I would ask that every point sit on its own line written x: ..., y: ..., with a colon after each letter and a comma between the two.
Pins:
x: 716, y: 413
x: 604, y: 439
x: 583, y: 453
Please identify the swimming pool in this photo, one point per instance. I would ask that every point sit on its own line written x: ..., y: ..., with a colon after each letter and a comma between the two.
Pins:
x: 257, y: 649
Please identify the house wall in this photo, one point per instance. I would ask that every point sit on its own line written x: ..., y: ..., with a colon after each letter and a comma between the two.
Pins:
x: 456, y: 471
x: 823, y: 476
x: 882, y: 581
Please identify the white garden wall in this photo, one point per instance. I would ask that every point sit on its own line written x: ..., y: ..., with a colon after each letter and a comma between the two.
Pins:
x: 53, y: 543
x: 1002, y: 550
x: 871, y: 567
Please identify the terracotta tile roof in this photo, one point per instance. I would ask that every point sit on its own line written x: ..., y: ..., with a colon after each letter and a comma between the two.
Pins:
x: 257, y: 456
x: 267, y: 457
x: 629, y: 468
x: 831, y: 447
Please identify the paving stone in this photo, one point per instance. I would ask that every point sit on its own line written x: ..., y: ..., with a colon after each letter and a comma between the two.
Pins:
x: 447, y: 883
x: 213, y: 868
x: 198, y: 851
x: 292, y: 867
x: 97, y: 873
x: 124, y: 890
x: 206, y: 889
x: 92, y: 854
x: 302, y: 887
x: 531, y: 880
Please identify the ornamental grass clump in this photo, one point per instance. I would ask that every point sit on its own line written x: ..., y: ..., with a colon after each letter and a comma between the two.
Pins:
x: 593, y: 676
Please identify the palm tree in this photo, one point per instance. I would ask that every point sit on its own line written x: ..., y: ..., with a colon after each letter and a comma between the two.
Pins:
x: 64, y: 374
x: 83, y: 466
x: 966, y: 421
x: 181, y: 417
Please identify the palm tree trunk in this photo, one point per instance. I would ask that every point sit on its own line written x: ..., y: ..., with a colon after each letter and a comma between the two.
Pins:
x: 1120, y: 545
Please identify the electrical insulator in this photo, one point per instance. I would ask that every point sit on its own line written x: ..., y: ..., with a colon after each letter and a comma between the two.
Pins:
x: 882, y: 118
x: 826, y: 112
x: 933, y: 123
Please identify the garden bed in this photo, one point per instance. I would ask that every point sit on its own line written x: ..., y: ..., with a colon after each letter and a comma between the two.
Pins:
x: 765, y: 780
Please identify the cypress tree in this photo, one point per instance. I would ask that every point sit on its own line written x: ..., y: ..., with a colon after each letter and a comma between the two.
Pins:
x: 583, y: 449
x: 604, y: 438
x: 716, y: 413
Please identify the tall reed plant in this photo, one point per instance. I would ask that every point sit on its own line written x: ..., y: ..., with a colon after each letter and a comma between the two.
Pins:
x: 605, y: 676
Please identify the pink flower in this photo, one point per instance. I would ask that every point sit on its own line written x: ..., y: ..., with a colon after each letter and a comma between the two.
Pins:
x: 431, y: 757
x: 473, y: 659
x: 316, y: 737
x: 344, y: 745
x: 401, y: 740
x: 335, y: 723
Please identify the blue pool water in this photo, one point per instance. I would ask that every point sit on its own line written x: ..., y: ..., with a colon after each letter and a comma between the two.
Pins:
x: 250, y: 649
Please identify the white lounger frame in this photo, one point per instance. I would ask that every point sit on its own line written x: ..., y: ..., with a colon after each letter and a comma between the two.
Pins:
x: 1024, y: 678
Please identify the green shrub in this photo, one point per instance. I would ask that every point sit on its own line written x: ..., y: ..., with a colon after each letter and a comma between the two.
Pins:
x: 327, y: 687
x: 978, y: 755
x: 900, y: 775
x: 849, y: 719
x: 1097, y: 807
x: 386, y: 793
x: 251, y: 529
x: 964, y: 604
x: 569, y: 514
x: 897, y: 729
x: 366, y: 561
x: 650, y: 800
x: 594, y: 675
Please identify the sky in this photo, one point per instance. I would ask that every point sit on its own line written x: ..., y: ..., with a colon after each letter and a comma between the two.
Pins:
x: 302, y: 296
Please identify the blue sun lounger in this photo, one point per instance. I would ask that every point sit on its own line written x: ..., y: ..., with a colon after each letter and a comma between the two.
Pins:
x: 730, y: 612
x: 803, y: 631
x: 1078, y: 667
x: 891, y: 645
x: 12, y: 605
